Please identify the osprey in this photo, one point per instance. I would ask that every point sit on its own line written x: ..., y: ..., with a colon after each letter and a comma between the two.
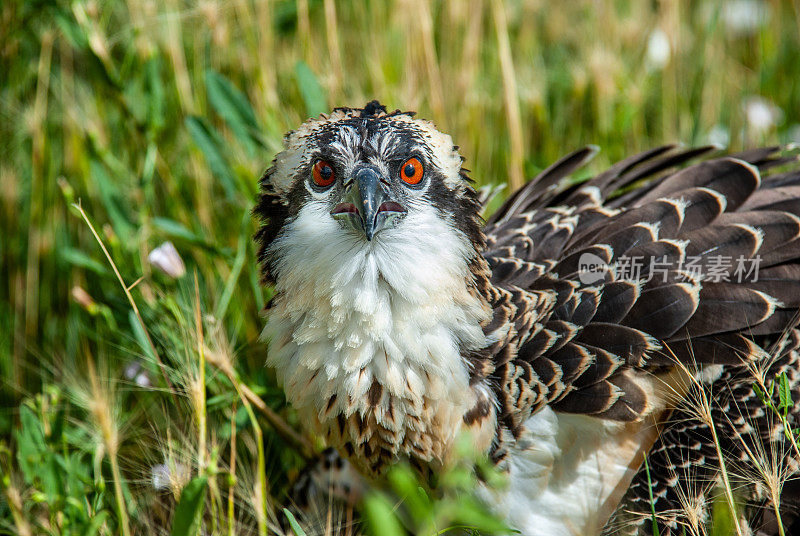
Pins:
x: 570, y: 336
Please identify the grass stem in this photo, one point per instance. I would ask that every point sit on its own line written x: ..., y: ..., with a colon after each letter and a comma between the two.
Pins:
x: 128, y: 295
x: 232, y: 477
x: 200, y: 395
x: 510, y: 98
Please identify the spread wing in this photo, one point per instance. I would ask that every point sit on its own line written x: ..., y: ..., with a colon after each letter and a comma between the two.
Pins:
x: 703, y: 267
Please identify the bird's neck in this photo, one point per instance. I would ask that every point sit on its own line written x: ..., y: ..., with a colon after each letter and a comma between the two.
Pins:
x: 370, y: 348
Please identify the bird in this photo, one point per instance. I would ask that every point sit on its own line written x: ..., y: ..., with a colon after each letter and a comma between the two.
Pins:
x: 609, y: 344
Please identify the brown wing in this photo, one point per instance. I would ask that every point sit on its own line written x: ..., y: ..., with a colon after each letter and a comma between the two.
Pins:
x: 578, y: 344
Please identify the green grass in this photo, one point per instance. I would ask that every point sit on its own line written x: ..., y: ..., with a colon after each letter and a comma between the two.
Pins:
x: 156, y: 119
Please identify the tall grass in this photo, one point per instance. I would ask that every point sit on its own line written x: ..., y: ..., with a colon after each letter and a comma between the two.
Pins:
x: 135, y: 401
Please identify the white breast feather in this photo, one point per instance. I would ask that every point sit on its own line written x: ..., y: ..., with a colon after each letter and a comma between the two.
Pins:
x: 568, y: 472
x: 396, y: 309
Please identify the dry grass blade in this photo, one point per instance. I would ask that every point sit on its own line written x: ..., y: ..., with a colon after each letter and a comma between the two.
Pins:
x: 98, y: 401
x: 515, y: 173
x: 128, y: 295
x: 250, y: 398
x: 199, y: 391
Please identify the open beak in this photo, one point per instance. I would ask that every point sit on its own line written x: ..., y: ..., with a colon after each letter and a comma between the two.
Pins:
x: 366, y: 205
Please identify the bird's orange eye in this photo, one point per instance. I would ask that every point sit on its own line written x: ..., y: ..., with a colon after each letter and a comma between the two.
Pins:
x: 411, y: 172
x: 323, y: 174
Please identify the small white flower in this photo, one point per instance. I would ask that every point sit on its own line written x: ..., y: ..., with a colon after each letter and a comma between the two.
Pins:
x: 658, y: 50
x: 132, y: 369
x: 162, y: 477
x: 761, y: 115
x: 166, y: 258
x: 744, y: 17
x: 719, y: 135
x: 142, y: 380
x: 159, y: 476
x: 134, y: 372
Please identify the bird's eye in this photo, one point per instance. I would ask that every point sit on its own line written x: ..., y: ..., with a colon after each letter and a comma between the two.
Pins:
x: 411, y: 172
x: 323, y: 174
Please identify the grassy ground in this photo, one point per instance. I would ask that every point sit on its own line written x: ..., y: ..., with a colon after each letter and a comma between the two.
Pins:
x: 149, y: 121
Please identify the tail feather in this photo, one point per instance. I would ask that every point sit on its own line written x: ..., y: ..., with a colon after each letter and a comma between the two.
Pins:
x: 683, y: 470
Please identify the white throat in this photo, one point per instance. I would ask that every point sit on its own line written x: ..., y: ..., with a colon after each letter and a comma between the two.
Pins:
x: 367, y: 337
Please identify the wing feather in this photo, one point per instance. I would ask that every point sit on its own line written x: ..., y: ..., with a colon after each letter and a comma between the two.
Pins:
x: 582, y: 345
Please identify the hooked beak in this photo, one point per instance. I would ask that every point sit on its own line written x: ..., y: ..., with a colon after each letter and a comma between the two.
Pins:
x: 366, y: 206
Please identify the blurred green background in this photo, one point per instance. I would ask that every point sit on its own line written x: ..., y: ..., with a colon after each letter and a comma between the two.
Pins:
x: 157, y: 118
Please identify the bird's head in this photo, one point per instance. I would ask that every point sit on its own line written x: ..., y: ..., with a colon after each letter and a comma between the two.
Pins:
x: 363, y: 178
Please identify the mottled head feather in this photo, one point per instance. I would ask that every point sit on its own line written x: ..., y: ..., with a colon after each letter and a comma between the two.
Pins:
x: 357, y: 131
x: 369, y: 134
